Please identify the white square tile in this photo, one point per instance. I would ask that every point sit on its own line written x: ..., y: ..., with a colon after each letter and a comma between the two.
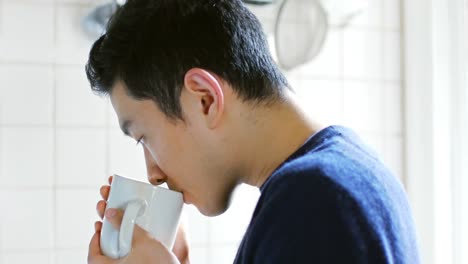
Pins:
x: 197, y: 226
x: 82, y: 2
x: 199, y: 255
x: 393, y: 111
x: 231, y: 226
x: 322, y: 100
x: 71, y: 256
x: 392, y: 62
x: 362, y: 57
x: 125, y: 157
x: 394, y: 156
x: 113, y: 120
x: 363, y: 106
x: 81, y: 156
x: 31, y: 215
x: 392, y: 14
x: 76, y: 102
x: 24, y: 257
x: 267, y: 15
x: 294, y: 79
x: 223, y: 254
x: 1, y: 162
x: 371, y: 16
x: 374, y: 142
x: 31, y: 1
x: 327, y: 62
x: 27, y: 31
x: 76, y: 214
x: 27, y: 94
x: 73, y: 44
x: 27, y: 155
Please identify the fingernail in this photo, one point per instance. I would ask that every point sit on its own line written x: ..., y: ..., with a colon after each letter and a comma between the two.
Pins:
x: 111, y: 213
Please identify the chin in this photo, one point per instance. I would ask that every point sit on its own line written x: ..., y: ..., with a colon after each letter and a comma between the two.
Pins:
x: 217, y: 203
x: 215, y: 207
x: 210, y: 212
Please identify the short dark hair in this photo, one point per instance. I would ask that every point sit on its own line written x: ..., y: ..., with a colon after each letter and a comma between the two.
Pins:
x: 149, y: 45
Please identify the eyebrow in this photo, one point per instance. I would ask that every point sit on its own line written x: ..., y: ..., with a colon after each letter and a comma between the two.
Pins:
x: 124, y: 127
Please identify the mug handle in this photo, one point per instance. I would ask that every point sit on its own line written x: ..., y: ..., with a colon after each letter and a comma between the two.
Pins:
x: 133, y: 210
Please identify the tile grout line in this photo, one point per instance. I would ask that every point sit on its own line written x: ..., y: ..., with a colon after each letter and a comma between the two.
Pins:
x: 209, y: 247
x: 107, y: 143
x: 402, y: 96
x: 383, y: 88
x: 55, y: 142
x: 1, y: 160
x: 341, y: 78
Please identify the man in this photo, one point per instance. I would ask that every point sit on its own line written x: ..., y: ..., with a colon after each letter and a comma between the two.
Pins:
x: 194, y: 83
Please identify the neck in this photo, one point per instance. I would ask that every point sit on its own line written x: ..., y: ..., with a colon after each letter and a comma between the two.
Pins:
x: 272, y: 135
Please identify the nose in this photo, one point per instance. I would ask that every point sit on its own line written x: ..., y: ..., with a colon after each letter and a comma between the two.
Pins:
x: 155, y: 175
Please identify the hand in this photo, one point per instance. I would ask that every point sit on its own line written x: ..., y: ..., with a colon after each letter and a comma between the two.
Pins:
x: 145, y: 249
x: 181, y: 248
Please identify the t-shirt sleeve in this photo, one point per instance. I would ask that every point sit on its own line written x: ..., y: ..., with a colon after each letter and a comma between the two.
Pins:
x: 310, y: 219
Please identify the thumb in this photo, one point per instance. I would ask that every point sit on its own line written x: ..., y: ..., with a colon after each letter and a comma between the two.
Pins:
x: 114, y: 217
x: 94, y: 251
x: 94, y: 248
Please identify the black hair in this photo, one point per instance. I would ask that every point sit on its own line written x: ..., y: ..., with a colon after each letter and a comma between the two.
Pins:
x: 149, y: 45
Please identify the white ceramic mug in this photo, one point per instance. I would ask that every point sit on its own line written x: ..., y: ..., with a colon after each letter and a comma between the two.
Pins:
x: 155, y: 209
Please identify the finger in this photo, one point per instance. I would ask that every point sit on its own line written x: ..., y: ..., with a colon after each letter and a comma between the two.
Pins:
x: 139, y: 235
x: 101, y: 208
x: 181, y: 248
x: 105, y: 189
x: 110, y: 180
x: 114, y: 216
x: 94, y: 247
x: 98, y: 226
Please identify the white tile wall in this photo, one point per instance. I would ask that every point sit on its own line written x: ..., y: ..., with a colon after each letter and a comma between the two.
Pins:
x: 27, y: 31
x: 75, y: 217
x: 75, y: 102
x: 72, y: 46
x: 327, y: 64
x: 27, y: 154
x: 230, y: 227
x: 323, y: 99
x: 70, y: 256
x: 367, y: 115
x: 27, y: 94
x: 81, y: 156
x: 59, y: 142
x: 392, y: 56
x: 371, y: 16
x: 26, y: 256
x: 28, y: 221
x: 392, y: 14
x: 362, y: 58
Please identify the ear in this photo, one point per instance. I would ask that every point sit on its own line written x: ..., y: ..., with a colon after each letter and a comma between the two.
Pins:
x: 207, y: 92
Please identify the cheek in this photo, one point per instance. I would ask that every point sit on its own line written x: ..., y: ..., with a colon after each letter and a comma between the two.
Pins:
x: 176, y: 155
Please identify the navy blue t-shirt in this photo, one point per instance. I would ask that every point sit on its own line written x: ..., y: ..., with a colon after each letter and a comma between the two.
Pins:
x: 332, y: 201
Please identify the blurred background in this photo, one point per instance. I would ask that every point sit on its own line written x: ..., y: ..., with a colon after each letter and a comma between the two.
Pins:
x: 393, y: 70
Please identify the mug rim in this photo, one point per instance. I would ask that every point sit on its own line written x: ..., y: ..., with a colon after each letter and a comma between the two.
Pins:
x: 149, y: 185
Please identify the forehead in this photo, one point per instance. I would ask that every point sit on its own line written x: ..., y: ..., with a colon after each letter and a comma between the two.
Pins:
x: 120, y: 100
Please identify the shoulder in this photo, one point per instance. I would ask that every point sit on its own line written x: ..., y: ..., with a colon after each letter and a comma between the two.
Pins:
x: 301, y: 209
x: 311, y: 188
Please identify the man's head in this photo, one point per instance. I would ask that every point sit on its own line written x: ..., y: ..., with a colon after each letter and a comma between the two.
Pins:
x: 176, y: 70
